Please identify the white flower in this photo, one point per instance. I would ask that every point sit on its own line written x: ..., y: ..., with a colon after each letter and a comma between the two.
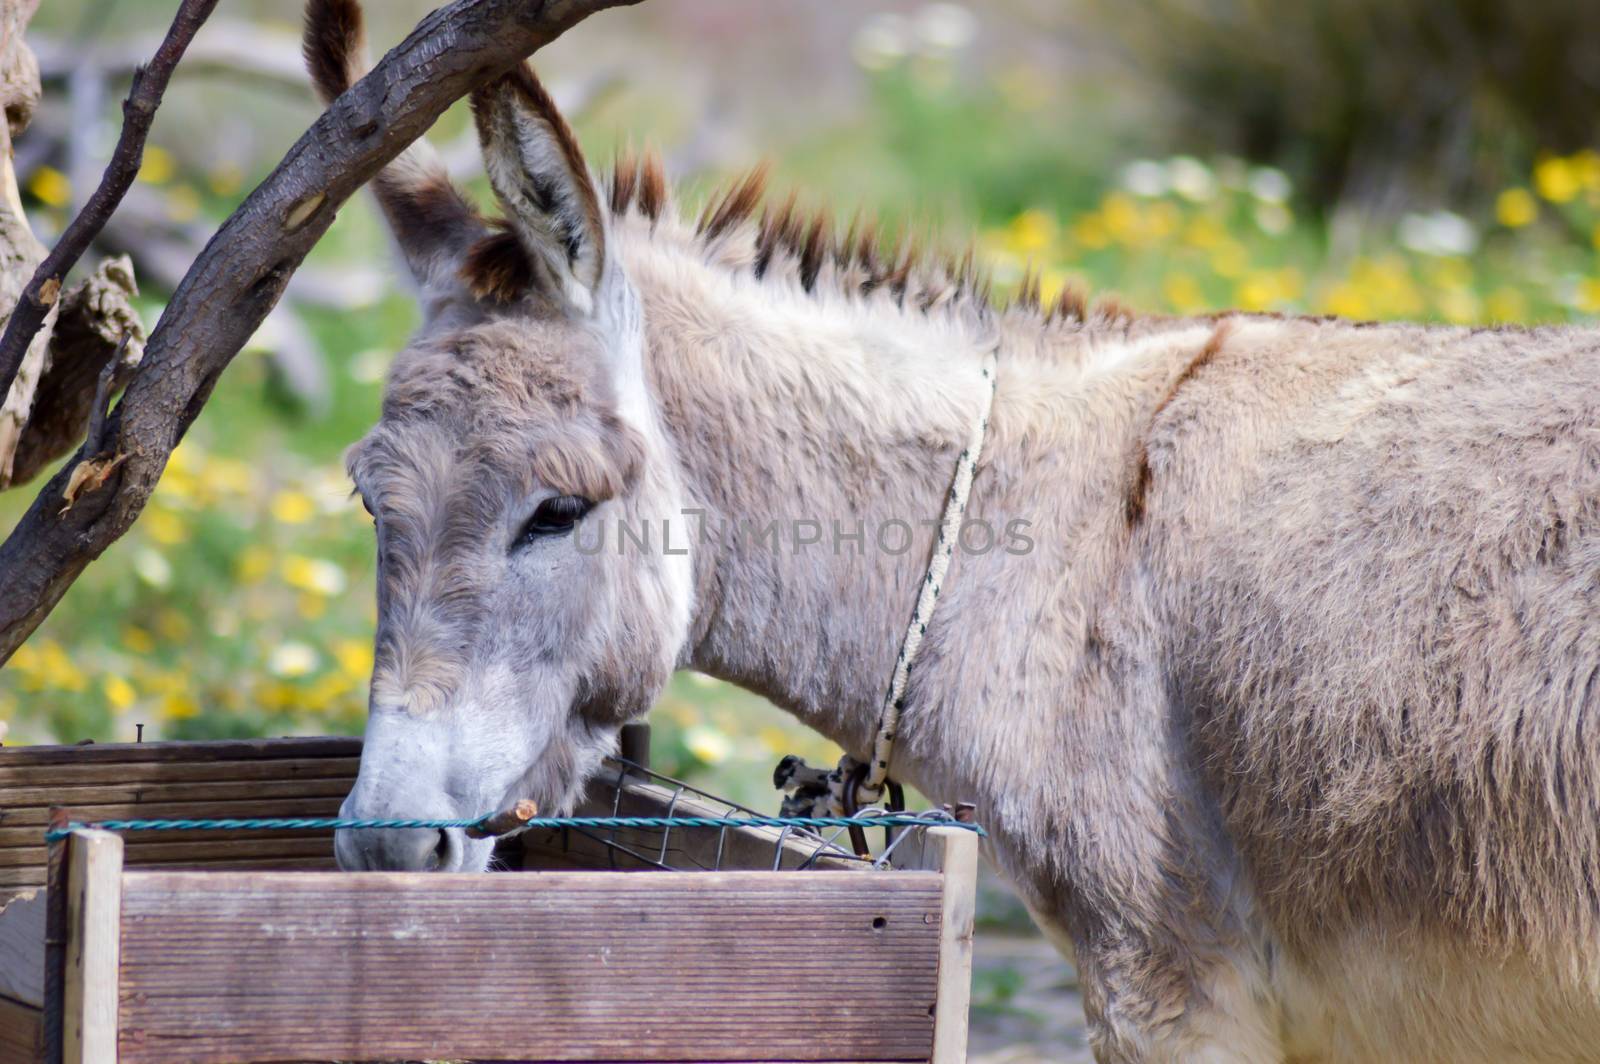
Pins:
x: 292, y: 659
x: 1438, y: 233
x: 151, y: 567
x: 882, y: 41
x: 1191, y: 179
x: 1273, y: 218
x: 946, y: 27
x: 1269, y: 184
x: 1145, y: 177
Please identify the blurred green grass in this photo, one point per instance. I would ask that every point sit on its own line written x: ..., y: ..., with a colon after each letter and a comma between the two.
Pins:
x: 242, y: 602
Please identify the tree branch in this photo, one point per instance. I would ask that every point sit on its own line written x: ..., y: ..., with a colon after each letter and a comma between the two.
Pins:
x: 242, y: 271
x: 138, y: 111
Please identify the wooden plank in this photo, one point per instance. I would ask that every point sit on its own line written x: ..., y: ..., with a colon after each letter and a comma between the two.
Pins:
x: 580, y: 966
x: 62, y: 775
x: 37, y: 818
x: 22, y: 949
x: 958, y: 865
x: 152, y: 847
x: 94, y: 933
x: 21, y: 1032
x: 133, y: 791
x: 221, y: 750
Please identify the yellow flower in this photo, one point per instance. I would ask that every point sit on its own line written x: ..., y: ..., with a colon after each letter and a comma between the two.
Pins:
x: 225, y: 476
x: 1515, y: 208
x: 1123, y: 220
x: 1507, y: 304
x: 1161, y: 220
x: 255, y: 562
x: 1557, y: 179
x: 119, y: 692
x: 1089, y: 231
x: 183, y: 204
x: 51, y: 186
x: 25, y: 659
x: 1587, y: 164
x: 1030, y: 232
x: 226, y: 179
x: 165, y: 527
x: 1345, y: 300
x: 354, y: 657
x: 1256, y: 292
x: 158, y: 166
x: 137, y: 640
x: 55, y: 668
x: 1204, y: 232
x: 277, y: 695
x: 179, y: 705
x: 708, y: 744
x: 1182, y: 293
x: 293, y: 507
x: 1451, y: 273
x: 1229, y: 259
x: 172, y: 626
x: 1051, y: 282
x: 322, y: 695
x: 316, y: 575
x: 1458, y: 306
x: 1588, y: 299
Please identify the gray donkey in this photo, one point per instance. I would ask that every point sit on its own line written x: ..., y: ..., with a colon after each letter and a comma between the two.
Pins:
x: 1275, y: 685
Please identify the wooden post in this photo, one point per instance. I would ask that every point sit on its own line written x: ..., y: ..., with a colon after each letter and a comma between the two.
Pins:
x: 634, y: 744
x: 958, y: 862
x: 55, y: 937
x: 94, y: 936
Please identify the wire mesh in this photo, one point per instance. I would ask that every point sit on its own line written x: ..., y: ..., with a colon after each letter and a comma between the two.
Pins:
x: 626, y: 788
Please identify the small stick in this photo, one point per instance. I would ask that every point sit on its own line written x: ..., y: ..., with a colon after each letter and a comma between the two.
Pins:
x: 506, y: 821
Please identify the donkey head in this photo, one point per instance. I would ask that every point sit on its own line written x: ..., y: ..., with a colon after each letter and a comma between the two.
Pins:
x: 507, y: 654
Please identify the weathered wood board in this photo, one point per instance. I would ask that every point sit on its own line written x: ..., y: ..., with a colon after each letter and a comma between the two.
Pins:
x: 536, y: 966
x: 21, y: 1032
x: 257, y: 778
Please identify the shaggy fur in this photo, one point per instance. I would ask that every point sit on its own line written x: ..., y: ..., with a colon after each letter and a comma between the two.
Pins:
x: 1285, y: 725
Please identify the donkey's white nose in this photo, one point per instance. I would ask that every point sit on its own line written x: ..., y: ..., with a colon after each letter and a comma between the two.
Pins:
x: 399, y: 850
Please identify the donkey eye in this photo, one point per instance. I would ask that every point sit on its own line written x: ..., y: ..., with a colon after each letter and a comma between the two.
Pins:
x: 555, y: 517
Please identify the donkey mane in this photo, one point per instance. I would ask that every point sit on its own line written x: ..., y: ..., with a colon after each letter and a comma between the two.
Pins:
x: 793, y: 244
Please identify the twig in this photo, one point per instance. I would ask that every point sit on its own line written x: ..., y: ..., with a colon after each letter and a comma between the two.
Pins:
x: 94, y: 440
x: 505, y: 822
x: 138, y: 111
x: 241, y: 273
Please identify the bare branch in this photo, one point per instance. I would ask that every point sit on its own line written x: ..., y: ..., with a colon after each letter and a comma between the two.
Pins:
x: 241, y: 273
x: 138, y: 111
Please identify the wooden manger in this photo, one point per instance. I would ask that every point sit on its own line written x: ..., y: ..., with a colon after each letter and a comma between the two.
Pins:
x: 791, y: 950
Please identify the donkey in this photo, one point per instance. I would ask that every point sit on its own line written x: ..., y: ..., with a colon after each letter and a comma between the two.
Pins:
x: 1279, y: 700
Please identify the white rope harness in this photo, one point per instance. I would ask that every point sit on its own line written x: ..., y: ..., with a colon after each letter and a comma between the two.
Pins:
x: 870, y: 783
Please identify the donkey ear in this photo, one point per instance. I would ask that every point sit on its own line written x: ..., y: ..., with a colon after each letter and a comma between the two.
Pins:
x: 431, y: 220
x: 550, y: 200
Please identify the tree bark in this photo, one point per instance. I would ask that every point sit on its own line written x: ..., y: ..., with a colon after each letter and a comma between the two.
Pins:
x: 43, y: 412
x: 38, y: 300
x: 239, y: 276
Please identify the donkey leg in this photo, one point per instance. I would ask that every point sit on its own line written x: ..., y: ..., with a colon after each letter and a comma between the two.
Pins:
x: 1172, y: 952
x: 1154, y: 1003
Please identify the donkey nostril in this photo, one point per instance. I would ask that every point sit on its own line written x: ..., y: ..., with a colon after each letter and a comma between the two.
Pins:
x: 439, y: 856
